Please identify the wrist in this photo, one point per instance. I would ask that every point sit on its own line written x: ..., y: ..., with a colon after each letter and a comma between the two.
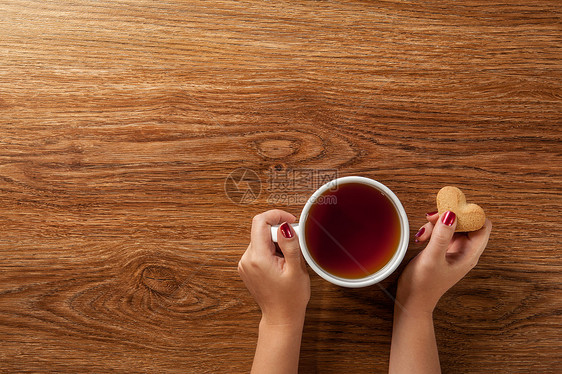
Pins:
x: 288, y: 316
x: 414, y: 305
x: 294, y: 324
x: 411, y: 311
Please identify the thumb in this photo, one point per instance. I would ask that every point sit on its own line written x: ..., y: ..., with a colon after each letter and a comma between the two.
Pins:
x: 289, y: 244
x: 442, y: 235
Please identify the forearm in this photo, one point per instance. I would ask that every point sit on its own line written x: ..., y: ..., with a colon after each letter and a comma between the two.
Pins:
x: 278, y: 349
x: 413, y: 348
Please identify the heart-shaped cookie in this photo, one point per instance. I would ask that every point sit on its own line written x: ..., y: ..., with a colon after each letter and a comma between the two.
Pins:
x: 470, y: 217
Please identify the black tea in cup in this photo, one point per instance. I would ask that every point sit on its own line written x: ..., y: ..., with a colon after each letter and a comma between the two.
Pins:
x: 352, y: 231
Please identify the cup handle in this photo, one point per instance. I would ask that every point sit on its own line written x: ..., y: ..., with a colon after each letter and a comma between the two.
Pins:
x: 275, y: 227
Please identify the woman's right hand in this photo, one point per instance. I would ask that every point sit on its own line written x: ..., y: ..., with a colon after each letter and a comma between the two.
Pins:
x: 447, y: 258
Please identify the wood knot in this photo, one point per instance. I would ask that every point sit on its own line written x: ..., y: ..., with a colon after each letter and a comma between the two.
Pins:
x: 277, y: 148
x: 278, y: 167
x: 159, y: 279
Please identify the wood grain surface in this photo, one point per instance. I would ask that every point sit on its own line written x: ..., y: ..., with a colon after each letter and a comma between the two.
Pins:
x: 120, y: 122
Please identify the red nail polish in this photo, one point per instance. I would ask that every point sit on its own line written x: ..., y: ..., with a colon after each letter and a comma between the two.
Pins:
x: 286, y: 230
x: 431, y: 213
x: 448, y: 218
x: 420, y: 233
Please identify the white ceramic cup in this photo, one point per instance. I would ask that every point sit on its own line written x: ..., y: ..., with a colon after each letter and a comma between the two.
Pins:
x: 370, y: 279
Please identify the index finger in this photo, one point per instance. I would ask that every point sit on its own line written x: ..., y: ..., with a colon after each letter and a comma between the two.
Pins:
x: 432, y: 217
x: 261, y: 232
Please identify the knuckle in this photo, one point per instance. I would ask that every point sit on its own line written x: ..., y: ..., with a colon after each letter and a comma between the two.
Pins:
x: 291, y: 248
x: 253, y: 263
x: 427, y: 265
x: 257, y: 218
x: 441, y: 237
x: 249, y: 264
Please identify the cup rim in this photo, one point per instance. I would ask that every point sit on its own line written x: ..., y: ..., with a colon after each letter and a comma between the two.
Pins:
x: 390, y: 266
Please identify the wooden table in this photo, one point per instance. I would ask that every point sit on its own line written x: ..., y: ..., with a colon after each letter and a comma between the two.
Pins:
x: 121, y: 121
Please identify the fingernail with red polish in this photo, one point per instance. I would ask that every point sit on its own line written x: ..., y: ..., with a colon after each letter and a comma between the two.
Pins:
x: 448, y: 218
x: 286, y: 230
x: 420, y: 233
x: 431, y: 213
